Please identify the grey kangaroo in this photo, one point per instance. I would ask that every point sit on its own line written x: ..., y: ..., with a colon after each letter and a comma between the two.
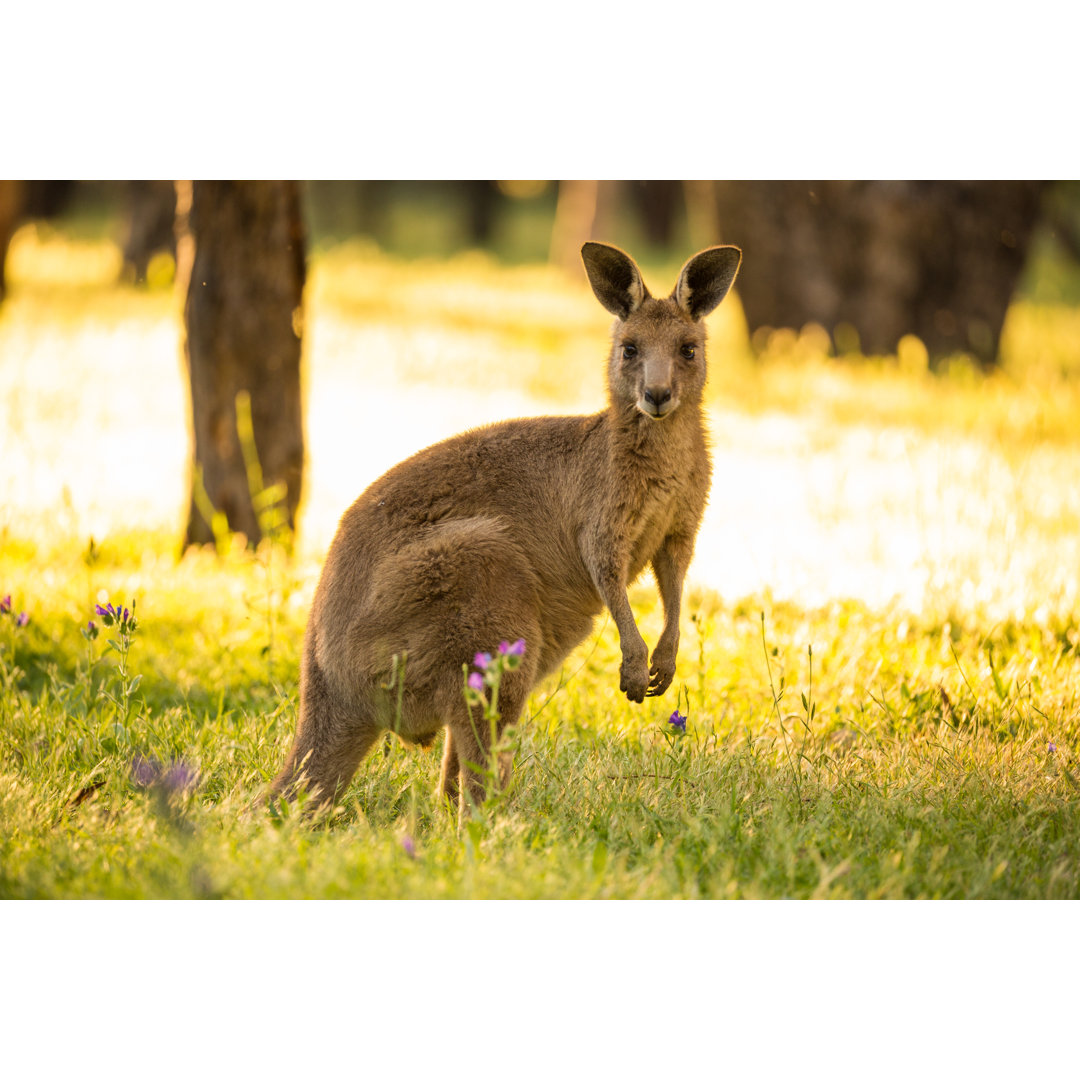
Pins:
x: 523, y: 529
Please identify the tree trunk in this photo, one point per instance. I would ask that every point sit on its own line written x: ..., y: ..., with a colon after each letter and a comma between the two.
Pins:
x: 702, y: 222
x: 658, y: 203
x: 939, y: 259
x: 583, y: 211
x: 150, y: 226
x: 482, y: 198
x: 244, y: 245
x: 11, y: 206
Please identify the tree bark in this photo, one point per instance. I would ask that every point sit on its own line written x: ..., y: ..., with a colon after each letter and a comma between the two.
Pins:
x: 150, y: 224
x: 939, y: 259
x: 243, y: 260
x: 11, y: 208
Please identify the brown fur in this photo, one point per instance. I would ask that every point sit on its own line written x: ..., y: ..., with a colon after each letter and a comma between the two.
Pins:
x: 524, y: 529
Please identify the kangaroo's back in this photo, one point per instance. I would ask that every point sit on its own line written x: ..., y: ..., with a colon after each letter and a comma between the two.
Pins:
x: 520, y: 531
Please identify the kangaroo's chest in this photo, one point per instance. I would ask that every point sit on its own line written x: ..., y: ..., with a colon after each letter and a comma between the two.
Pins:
x: 661, y: 513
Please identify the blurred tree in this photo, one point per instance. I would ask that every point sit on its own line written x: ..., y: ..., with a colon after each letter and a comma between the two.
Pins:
x: 1061, y: 209
x: 939, y: 259
x: 11, y: 202
x: 47, y: 198
x: 150, y: 224
x: 583, y: 211
x: 658, y: 204
x: 702, y: 221
x: 482, y: 199
x: 243, y: 266
x: 371, y: 201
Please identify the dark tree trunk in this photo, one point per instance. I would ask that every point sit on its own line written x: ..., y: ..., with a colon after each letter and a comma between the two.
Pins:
x: 939, y: 259
x: 243, y: 317
x: 658, y: 203
x: 46, y: 198
x: 11, y: 208
x: 482, y: 198
x: 150, y: 227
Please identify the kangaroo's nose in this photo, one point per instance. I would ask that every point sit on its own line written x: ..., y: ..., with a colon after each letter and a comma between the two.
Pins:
x: 657, y: 396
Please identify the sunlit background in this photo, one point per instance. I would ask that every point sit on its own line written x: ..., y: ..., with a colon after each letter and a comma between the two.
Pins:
x: 836, y: 476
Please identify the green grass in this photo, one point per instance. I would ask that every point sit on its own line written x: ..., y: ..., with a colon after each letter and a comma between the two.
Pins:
x: 902, y: 764
x: 833, y: 750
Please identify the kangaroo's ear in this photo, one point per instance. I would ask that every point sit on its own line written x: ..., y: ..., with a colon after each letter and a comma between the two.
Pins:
x: 614, y: 278
x: 705, y: 279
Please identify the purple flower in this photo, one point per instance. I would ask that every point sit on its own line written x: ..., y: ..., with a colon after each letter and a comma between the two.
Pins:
x: 482, y: 659
x: 120, y: 616
x: 476, y: 681
x: 1051, y: 748
x: 179, y: 778
x: 145, y: 771
x: 409, y: 846
x: 517, y: 649
x: 677, y: 720
x: 23, y: 619
x: 5, y: 605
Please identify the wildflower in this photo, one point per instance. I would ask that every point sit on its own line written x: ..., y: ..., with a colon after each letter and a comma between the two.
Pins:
x: 481, y: 660
x: 179, y: 778
x: 116, y: 616
x: 1051, y: 748
x: 408, y: 845
x: 5, y: 605
x: 476, y: 681
x: 511, y: 654
x: 677, y: 721
x: 176, y: 779
x: 23, y: 619
x: 145, y: 771
x: 91, y: 631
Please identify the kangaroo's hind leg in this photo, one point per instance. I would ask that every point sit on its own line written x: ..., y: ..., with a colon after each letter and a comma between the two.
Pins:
x: 469, y: 742
x: 450, y: 773
x: 332, y: 736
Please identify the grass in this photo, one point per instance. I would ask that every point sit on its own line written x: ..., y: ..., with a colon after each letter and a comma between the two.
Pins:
x: 829, y: 753
x: 835, y: 747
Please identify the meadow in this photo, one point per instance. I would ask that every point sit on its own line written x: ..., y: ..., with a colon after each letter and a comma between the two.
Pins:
x: 880, y: 657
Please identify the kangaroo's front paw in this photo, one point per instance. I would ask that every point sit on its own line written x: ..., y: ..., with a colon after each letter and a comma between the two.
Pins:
x: 661, y: 672
x: 634, y: 676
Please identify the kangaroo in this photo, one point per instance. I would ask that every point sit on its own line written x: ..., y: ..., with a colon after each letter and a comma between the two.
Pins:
x: 524, y: 529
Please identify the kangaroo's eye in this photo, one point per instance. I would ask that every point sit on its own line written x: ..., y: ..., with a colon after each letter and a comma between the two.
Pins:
x: 629, y: 352
x: 687, y: 352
